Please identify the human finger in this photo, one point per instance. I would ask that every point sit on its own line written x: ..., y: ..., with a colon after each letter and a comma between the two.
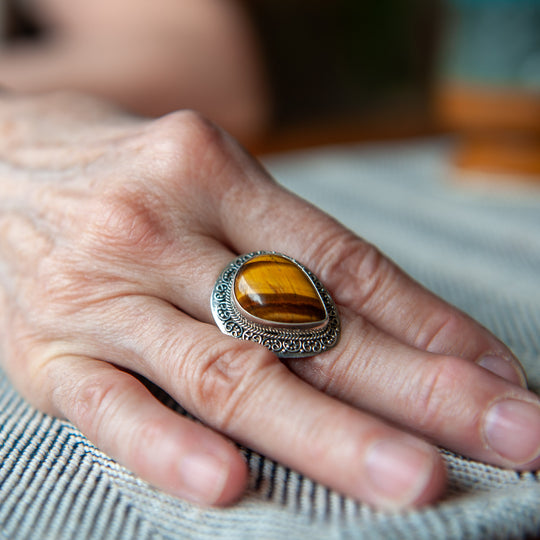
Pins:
x: 446, y: 399
x: 360, y: 276
x: 184, y: 279
x: 418, y: 371
x: 239, y: 206
x: 370, y: 369
x: 242, y: 390
x: 443, y: 397
x: 118, y: 413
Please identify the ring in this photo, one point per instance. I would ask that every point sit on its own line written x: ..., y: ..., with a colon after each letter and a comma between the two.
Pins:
x: 274, y: 300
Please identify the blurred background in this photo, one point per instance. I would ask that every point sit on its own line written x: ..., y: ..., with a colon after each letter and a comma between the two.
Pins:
x: 296, y: 73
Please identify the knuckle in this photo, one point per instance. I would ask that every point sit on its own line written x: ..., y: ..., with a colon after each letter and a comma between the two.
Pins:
x: 438, y: 330
x: 355, y: 269
x: 146, y: 436
x: 130, y: 220
x: 186, y: 119
x: 436, y: 399
x: 225, y: 381
x: 93, y: 402
x: 181, y: 137
x: 189, y: 150
x: 25, y: 364
x: 194, y: 126
x: 314, y: 436
x: 194, y: 157
x: 182, y: 153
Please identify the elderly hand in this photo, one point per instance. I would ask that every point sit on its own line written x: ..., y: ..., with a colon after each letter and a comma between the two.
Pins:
x: 113, y: 231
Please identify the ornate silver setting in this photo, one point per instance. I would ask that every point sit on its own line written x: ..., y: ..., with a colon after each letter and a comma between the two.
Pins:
x: 286, y: 341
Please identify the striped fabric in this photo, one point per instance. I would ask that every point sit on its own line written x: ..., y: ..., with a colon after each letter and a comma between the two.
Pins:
x: 479, y: 247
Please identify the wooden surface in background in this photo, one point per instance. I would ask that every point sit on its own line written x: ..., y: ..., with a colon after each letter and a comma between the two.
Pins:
x: 497, y: 132
x: 500, y: 129
x: 390, y: 125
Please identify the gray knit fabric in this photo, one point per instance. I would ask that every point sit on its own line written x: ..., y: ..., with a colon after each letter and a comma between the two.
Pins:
x: 478, y: 247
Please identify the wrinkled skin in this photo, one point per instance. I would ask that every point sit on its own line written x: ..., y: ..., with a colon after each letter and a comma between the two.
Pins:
x: 113, y: 230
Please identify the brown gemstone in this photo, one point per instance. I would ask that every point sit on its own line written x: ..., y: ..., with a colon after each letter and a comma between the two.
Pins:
x: 275, y: 289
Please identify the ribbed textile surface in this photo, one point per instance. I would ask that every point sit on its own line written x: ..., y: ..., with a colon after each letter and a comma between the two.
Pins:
x: 477, y: 247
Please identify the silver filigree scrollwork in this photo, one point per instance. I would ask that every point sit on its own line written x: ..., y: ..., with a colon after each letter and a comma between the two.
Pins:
x: 284, y: 342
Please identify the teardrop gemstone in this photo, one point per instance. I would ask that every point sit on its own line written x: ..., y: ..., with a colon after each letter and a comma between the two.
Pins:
x: 275, y: 289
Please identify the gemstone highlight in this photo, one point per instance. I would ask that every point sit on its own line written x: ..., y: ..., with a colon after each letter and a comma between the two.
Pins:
x: 275, y: 289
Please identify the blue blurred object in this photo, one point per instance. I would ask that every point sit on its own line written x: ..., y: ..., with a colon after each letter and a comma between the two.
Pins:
x: 489, y: 84
x: 493, y: 42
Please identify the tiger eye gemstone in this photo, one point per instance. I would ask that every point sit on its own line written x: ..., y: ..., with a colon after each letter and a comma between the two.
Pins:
x: 275, y: 289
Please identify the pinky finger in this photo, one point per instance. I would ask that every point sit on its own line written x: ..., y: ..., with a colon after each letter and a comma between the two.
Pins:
x: 119, y: 414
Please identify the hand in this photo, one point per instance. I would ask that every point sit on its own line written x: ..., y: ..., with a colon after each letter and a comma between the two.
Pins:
x: 112, y: 232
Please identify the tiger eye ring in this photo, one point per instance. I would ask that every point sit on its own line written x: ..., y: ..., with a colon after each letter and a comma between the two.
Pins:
x: 272, y: 299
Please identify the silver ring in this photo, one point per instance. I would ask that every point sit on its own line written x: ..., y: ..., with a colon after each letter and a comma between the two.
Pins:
x: 274, y: 300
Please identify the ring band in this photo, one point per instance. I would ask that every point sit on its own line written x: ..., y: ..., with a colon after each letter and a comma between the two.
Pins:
x: 272, y: 299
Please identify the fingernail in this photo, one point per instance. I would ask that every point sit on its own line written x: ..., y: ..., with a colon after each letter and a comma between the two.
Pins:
x: 399, y: 470
x: 504, y: 368
x: 203, y: 478
x: 512, y: 429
